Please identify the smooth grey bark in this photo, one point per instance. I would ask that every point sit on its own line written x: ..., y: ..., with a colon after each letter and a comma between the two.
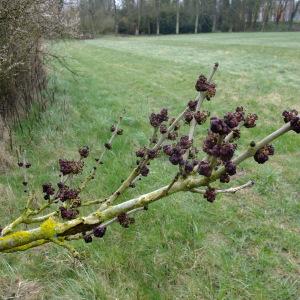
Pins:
x: 197, y: 16
x: 177, y: 16
x: 157, y: 12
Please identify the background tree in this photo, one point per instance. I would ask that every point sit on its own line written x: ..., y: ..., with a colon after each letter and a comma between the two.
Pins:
x: 279, y: 9
x: 294, y: 10
x: 182, y: 16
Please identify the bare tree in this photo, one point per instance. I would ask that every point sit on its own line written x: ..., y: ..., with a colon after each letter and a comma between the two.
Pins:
x: 280, y: 7
x: 294, y: 10
x: 214, y: 15
x: 116, y: 22
x: 267, y: 7
x: 139, y: 11
x: 197, y: 4
x: 157, y: 16
x: 255, y: 14
x: 177, y: 15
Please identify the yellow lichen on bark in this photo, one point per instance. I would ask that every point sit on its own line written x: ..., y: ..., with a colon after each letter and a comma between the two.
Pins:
x: 48, y: 228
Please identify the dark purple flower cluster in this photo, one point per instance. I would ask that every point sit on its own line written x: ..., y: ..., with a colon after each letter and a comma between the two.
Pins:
x: 125, y: 220
x: 66, y: 193
x: 210, y: 194
x: 250, y: 120
x: 177, y: 151
x: 188, y: 117
x: 289, y: 115
x: 140, y: 152
x: 143, y: 152
x: 211, y: 91
x: 176, y: 157
x: 201, y: 116
x: 48, y: 190
x: 172, y: 136
x: 22, y: 165
x: 295, y: 124
x: 99, y: 231
x: 113, y: 128
x: 236, y: 134
x: 168, y: 150
x: 151, y: 153
x: 163, y: 129
x: 192, y: 104
x: 240, y: 113
x: 70, y: 166
x: 210, y: 144
x: 224, y: 151
x: 87, y: 238
x: 293, y: 117
x: 225, y: 178
x: 108, y: 146
x: 227, y: 151
x: 120, y: 131
x: 230, y: 168
x: 84, y: 152
x: 185, y: 142
x: 262, y: 154
x: 219, y: 126
x: 204, y: 168
x: 188, y: 167
x: 67, y: 213
x: 231, y: 120
x: 144, y: 171
x: 157, y: 119
x: 202, y: 85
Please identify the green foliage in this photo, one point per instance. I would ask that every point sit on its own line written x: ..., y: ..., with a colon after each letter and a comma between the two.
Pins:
x: 244, y: 246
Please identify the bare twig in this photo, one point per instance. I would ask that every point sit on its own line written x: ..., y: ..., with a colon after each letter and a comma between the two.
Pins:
x: 200, y: 98
x: 229, y: 190
x: 92, y: 174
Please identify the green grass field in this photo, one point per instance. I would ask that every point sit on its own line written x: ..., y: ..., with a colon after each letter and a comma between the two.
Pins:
x: 244, y: 246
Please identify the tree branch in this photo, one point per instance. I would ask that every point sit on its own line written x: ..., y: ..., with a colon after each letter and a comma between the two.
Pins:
x: 229, y: 190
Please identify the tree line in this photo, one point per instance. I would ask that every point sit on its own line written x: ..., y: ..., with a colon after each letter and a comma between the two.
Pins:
x: 185, y: 16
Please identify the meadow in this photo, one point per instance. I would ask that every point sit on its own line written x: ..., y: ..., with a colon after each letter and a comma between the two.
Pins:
x: 243, y: 246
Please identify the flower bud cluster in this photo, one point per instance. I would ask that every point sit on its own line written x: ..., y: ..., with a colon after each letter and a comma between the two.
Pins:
x: 113, y: 128
x: 48, y: 190
x: 68, y: 214
x: 125, y: 220
x: 157, y: 119
x: 210, y: 194
x: 70, y: 166
x: 66, y: 193
x: 293, y: 117
x: 202, y: 85
x: 224, y: 151
x: 98, y: 232
x: 26, y: 165
x: 176, y: 152
x: 199, y: 116
x: 250, y: 120
x: 84, y: 152
x: 262, y: 154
